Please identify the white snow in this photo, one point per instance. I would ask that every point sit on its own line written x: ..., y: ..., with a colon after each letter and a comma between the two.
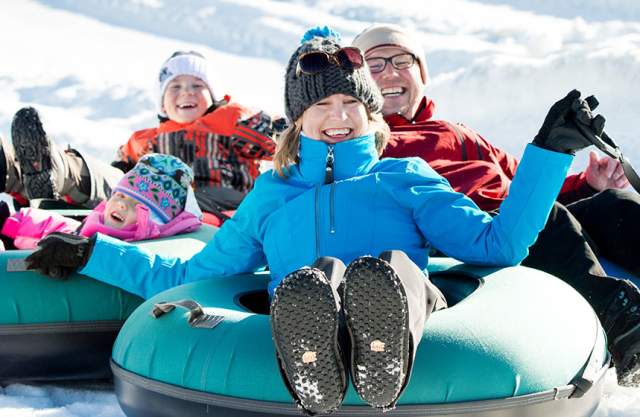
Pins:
x: 90, y: 68
x: 87, y: 400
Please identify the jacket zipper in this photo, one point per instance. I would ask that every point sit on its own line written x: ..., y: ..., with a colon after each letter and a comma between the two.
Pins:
x: 328, y: 168
x: 317, y: 219
x: 328, y: 179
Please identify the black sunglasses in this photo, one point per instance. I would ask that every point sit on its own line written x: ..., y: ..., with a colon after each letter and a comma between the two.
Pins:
x: 401, y: 61
x: 349, y: 58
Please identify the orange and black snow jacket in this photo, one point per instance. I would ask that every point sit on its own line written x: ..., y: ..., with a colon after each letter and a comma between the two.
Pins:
x: 224, y: 147
x: 468, y: 161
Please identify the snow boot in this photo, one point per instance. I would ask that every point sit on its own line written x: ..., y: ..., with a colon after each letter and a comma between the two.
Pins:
x: 305, y: 321
x: 387, y: 301
x: 35, y: 155
x: 10, y: 181
x: 33, y: 151
x: 621, y: 322
x: 47, y: 171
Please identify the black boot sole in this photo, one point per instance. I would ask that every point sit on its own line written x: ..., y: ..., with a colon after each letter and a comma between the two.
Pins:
x: 33, y: 152
x: 304, y: 322
x: 629, y: 374
x: 377, y: 317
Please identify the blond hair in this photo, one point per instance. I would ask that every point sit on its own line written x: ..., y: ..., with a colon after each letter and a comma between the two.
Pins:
x: 289, y: 142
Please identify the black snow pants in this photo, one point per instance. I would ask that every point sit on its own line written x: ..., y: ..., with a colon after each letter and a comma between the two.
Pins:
x: 606, y: 224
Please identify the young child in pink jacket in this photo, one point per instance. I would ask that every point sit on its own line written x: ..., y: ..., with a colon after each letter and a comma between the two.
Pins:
x: 154, y: 199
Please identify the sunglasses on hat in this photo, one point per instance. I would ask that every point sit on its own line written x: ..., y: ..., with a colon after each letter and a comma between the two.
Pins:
x: 349, y: 58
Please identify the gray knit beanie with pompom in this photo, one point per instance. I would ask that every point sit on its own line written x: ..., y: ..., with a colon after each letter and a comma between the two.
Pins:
x: 303, y: 90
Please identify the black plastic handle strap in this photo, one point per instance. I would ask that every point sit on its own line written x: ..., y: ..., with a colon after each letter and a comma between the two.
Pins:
x: 609, y: 147
x: 631, y: 174
x: 197, y: 317
x: 593, y: 369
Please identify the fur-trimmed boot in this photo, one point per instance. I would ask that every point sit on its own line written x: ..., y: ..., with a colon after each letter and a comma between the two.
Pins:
x: 47, y: 171
x: 10, y: 181
x: 40, y: 164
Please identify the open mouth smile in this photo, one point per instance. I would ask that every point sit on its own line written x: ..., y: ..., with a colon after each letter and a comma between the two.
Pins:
x: 338, y: 133
x: 187, y: 106
x: 116, y: 217
x: 393, y: 91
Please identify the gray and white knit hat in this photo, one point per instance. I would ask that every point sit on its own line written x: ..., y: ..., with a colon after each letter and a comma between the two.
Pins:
x: 182, y: 63
x: 303, y: 90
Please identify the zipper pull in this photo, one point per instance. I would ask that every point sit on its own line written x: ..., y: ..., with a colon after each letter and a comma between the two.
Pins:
x: 328, y: 170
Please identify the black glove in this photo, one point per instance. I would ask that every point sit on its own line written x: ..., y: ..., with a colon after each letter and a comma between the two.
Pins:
x: 561, y: 130
x: 60, y: 254
x: 279, y: 125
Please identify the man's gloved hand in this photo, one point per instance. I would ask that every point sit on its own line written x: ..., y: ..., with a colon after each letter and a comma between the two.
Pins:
x: 60, y: 254
x: 560, y: 131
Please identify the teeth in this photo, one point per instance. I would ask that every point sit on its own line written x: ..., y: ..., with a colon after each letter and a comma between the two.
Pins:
x: 336, y: 132
x: 392, y: 91
x: 186, y: 106
x: 117, y: 217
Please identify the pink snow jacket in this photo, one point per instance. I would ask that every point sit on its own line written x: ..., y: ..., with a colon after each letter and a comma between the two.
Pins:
x: 29, y: 225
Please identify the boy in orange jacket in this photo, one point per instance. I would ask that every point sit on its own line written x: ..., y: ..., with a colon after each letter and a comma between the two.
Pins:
x: 222, y: 141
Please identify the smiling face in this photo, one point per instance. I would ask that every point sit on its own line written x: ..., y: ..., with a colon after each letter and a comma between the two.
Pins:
x: 120, y: 211
x: 186, y: 99
x: 402, y: 90
x: 336, y: 118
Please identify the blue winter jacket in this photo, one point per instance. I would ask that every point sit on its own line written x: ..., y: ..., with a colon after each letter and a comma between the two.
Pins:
x: 371, y: 206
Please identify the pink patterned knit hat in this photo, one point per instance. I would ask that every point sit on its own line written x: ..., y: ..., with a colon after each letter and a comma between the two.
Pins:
x: 160, y: 182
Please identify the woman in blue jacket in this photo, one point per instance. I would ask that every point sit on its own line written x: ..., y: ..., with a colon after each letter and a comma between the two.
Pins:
x: 329, y: 202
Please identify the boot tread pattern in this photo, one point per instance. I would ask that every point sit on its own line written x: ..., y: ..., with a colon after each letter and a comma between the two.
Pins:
x: 304, y: 321
x: 377, y: 317
x: 33, y: 152
x: 629, y: 363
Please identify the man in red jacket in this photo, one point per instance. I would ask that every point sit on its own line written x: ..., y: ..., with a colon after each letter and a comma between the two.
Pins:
x: 592, y: 216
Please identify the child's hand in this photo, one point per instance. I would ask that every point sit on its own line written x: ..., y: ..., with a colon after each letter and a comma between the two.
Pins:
x: 60, y: 254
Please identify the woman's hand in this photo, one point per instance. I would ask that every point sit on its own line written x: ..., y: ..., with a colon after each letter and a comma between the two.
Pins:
x: 60, y: 254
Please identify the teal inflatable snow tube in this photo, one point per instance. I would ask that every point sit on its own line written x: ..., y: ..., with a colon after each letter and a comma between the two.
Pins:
x: 61, y: 330
x: 515, y: 342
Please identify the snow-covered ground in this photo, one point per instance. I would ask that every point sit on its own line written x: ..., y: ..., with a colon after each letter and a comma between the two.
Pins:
x: 98, y: 400
x: 90, y: 67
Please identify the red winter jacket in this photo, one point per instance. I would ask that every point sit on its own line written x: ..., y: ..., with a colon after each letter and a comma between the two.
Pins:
x: 471, y: 164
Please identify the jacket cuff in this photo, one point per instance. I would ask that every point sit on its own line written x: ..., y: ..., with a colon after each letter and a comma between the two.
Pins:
x: 11, y: 227
x: 103, y: 250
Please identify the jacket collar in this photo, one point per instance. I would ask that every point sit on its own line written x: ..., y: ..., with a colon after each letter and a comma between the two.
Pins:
x: 424, y: 113
x: 143, y: 228
x: 351, y: 158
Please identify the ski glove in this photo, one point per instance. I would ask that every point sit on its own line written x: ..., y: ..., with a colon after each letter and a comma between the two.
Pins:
x: 561, y: 132
x: 60, y: 254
